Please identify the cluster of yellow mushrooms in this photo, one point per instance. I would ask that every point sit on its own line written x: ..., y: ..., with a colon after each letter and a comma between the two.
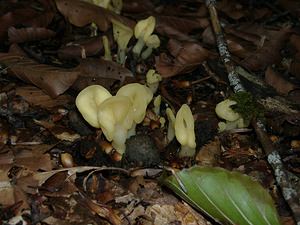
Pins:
x: 118, y: 115
x: 232, y: 119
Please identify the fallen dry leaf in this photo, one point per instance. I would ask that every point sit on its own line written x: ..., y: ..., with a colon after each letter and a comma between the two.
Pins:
x: 232, y: 9
x: 183, y: 25
x: 29, y: 34
x: 137, y: 6
x: 269, y: 53
x: 295, y: 41
x: 294, y: 66
x: 280, y: 84
x: 6, y: 188
x: 209, y: 154
x: 79, y: 49
x: 90, y: 46
x: 37, y: 97
x: 81, y: 13
x: 52, y: 80
x: 187, y: 56
x: 60, y: 132
x: 291, y: 5
x: 99, y: 71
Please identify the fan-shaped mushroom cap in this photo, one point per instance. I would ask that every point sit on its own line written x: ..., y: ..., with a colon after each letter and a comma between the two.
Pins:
x: 223, y: 110
x: 115, y: 116
x: 122, y: 33
x: 88, y: 101
x: 184, y: 131
x: 140, y: 95
x: 144, y: 28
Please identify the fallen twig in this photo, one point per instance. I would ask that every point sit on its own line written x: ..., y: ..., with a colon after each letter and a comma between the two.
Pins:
x: 287, y: 181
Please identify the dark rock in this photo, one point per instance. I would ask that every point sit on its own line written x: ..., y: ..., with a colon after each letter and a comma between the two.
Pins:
x: 141, y: 151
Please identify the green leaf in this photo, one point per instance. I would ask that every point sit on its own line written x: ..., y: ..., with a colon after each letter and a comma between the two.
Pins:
x: 228, y: 197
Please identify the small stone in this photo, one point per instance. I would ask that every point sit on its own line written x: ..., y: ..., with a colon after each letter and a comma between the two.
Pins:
x: 141, y: 151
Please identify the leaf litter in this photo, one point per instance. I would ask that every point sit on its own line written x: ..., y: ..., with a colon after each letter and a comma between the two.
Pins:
x: 60, y: 52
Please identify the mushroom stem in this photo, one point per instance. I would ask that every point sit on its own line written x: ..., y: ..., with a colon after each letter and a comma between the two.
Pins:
x: 171, y: 128
x: 138, y: 47
x: 147, y: 53
x: 107, y: 52
x: 131, y: 131
x: 184, y: 131
x: 121, y: 57
x: 186, y: 151
x: 119, y: 138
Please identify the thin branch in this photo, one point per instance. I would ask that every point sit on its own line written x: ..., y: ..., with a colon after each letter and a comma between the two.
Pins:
x: 287, y: 181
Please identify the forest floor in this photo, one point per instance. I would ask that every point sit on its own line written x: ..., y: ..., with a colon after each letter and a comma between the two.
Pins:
x: 55, y: 168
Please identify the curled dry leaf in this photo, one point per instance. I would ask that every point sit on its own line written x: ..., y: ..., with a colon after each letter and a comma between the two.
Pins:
x: 81, y: 13
x: 15, y: 49
x: 52, y: 80
x: 232, y: 9
x: 36, y: 96
x: 12, y: 18
x: 60, y: 132
x: 90, y: 46
x: 243, y: 34
x: 294, y: 66
x: 183, y: 25
x: 137, y: 6
x: 187, y: 56
x: 290, y: 5
x: 269, y: 53
x: 209, y: 153
x: 99, y: 71
x: 295, y: 41
x: 26, y: 17
x: 29, y: 34
x: 280, y: 84
x: 172, y: 32
x: 178, y: 28
x: 235, y: 44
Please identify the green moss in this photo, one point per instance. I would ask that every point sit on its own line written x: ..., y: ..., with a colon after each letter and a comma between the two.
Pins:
x: 246, y: 106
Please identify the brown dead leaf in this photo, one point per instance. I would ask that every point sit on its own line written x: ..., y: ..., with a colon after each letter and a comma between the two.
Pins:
x: 178, y: 28
x: 137, y: 6
x: 295, y: 41
x: 183, y: 25
x: 81, y: 13
x: 187, y: 56
x: 15, y: 49
x: 100, y: 71
x: 13, y: 18
x: 4, y: 133
x: 269, y: 53
x: 29, y: 34
x: 52, y: 80
x: 236, y: 45
x: 280, y: 84
x: 291, y: 5
x: 33, y: 157
x: 37, y: 97
x: 209, y: 153
x: 294, y: 66
x: 99, y: 209
x: 60, y: 132
x: 243, y: 34
x: 24, y: 16
x: 232, y: 9
x: 90, y: 46
x: 6, y: 188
